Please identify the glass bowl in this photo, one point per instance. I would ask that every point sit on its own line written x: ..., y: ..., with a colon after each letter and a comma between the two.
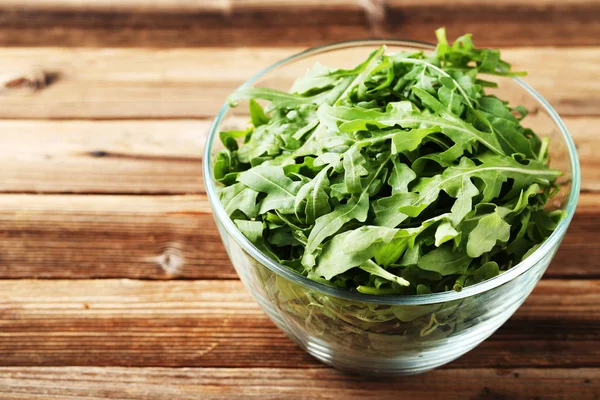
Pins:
x: 388, y: 335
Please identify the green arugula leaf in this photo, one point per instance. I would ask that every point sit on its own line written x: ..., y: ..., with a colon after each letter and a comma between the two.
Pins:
x: 444, y: 233
x: 281, y: 190
x: 445, y: 261
x: 410, y: 140
x: 404, y: 115
x: 230, y: 138
x: 401, y: 175
x: 464, y: 200
x: 312, y: 197
x: 257, y: 114
x: 376, y: 270
x: 329, y: 224
x: 486, y: 271
x: 239, y: 197
x: 493, y: 172
x: 354, y: 169
x: 276, y: 97
x: 335, y: 259
x: 489, y: 230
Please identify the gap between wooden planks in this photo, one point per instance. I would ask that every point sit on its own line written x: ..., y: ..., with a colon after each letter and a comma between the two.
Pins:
x: 152, y: 157
x: 86, y: 383
x: 164, y: 237
x: 194, y: 83
x: 288, y: 23
x: 217, y: 324
x: 135, y: 157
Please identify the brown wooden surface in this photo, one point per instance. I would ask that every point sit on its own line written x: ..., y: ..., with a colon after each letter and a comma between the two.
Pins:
x: 284, y: 22
x: 215, y: 323
x: 35, y: 383
x: 171, y: 237
x: 193, y: 83
x: 113, y: 280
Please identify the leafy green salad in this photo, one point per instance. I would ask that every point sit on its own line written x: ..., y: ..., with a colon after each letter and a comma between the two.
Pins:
x: 399, y: 176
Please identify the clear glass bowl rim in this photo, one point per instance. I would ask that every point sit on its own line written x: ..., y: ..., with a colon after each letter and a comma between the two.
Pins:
x: 426, y: 299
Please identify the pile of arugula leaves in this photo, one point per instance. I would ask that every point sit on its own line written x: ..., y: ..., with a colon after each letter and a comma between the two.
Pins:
x: 399, y: 176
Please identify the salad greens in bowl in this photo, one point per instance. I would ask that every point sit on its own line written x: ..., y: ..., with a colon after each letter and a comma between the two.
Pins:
x: 390, y: 204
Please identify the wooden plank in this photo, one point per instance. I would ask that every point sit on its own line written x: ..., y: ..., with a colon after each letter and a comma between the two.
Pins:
x: 39, y: 383
x: 161, y: 6
x: 194, y: 83
x: 229, y: 5
x: 284, y: 22
x: 110, y: 236
x: 150, y: 156
x: 102, y: 157
x: 217, y: 324
x: 584, y: 133
x: 166, y: 237
x: 577, y: 256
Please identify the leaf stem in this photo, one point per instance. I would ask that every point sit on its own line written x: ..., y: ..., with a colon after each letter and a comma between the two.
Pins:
x: 543, y: 149
x: 441, y: 72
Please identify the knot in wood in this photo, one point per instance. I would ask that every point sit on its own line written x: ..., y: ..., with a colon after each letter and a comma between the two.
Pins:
x: 171, y: 260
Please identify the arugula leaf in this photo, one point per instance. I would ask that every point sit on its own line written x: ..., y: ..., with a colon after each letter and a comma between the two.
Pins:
x: 409, y: 141
x: 364, y: 70
x: 404, y: 115
x: 486, y: 271
x: 444, y: 233
x: 376, y: 270
x: 257, y: 114
x: 493, y: 171
x: 329, y: 224
x: 400, y: 175
x: 489, y: 230
x: 312, y: 198
x: 464, y: 200
x: 281, y: 190
x: 276, y: 97
x: 336, y: 259
x: 445, y: 261
x: 354, y: 169
x: 229, y: 138
x: 353, y: 248
x: 239, y: 197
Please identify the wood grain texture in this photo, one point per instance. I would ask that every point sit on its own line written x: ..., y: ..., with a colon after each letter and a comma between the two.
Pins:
x: 161, y: 6
x: 217, y: 324
x: 151, y: 156
x: 155, y: 237
x: 167, y: 237
x: 87, y: 383
x: 102, y: 157
x: 194, y: 83
x: 113, y: 139
x: 285, y: 23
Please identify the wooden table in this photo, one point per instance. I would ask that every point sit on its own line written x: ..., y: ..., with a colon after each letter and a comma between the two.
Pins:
x: 114, y: 281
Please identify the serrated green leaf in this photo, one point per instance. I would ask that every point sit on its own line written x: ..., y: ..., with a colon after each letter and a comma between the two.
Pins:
x: 400, y: 177
x: 239, y: 197
x: 281, y: 190
x: 445, y: 261
x: 489, y: 230
x: 410, y: 140
x: 354, y: 169
x: 401, y: 170
x: 312, y: 198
